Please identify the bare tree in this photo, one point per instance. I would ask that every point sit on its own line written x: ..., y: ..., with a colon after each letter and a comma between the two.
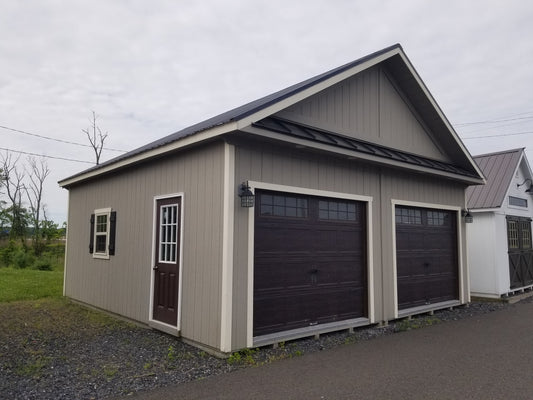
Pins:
x: 13, y: 184
x: 34, y: 192
x: 96, y: 137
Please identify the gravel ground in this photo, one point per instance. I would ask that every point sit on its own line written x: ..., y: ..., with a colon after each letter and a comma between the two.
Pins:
x: 121, y: 358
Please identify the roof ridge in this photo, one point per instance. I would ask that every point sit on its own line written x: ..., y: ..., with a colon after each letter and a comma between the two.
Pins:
x: 500, y: 152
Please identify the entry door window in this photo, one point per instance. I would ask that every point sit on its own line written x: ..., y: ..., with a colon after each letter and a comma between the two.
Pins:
x: 168, y: 233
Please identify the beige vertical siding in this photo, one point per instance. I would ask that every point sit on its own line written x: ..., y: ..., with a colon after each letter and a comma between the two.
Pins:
x: 370, y: 107
x: 122, y: 283
x: 276, y: 165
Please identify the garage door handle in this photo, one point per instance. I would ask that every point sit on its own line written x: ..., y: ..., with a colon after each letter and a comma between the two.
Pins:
x: 155, y: 268
x: 313, y: 271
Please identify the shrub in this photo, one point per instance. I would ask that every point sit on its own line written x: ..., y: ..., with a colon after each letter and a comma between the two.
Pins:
x: 43, y: 264
x: 22, y: 258
x: 6, y: 254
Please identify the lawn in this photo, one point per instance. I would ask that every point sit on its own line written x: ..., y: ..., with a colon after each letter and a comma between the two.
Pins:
x: 29, y: 284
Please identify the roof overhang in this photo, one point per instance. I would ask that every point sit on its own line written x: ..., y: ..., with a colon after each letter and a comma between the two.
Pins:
x: 243, y: 117
x: 149, y: 154
x: 353, y: 154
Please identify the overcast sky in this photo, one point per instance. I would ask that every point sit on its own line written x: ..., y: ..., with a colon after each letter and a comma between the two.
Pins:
x: 151, y: 68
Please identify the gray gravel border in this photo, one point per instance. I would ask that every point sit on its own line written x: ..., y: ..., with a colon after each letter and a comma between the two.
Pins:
x: 126, y: 358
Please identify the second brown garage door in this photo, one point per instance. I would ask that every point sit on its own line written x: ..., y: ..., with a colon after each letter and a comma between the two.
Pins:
x: 309, y: 261
x: 426, y: 256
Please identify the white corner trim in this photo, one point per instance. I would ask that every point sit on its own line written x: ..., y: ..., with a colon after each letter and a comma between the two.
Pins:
x: 226, y: 305
x: 394, y: 203
x: 311, y: 192
x: 66, y: 250
x: 151, y: 321
x: 370, y: 262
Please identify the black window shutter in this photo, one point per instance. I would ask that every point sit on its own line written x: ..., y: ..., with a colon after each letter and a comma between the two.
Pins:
x: 112, y: 230
x: 91, y: 235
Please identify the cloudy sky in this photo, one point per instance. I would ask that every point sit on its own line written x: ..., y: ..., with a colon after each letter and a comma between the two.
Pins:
x: 151, y: 68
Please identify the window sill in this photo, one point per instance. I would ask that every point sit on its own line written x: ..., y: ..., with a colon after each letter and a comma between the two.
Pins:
x: 101, y: 256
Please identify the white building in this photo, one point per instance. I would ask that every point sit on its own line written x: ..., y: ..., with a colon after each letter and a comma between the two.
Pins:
x: 499, y: 239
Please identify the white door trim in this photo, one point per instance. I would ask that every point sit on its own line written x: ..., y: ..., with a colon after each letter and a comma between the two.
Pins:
x: 151, y: 321
x: 396, y: 202
x: 311, y: 192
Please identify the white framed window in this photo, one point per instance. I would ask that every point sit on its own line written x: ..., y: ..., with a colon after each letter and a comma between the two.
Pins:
x: 168, y: 233
x: 101, y: 229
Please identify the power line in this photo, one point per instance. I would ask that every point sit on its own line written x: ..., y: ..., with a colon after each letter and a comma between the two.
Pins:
x: 493, y: 121
x: 500, y: 135
x: 57, y: 140
x: 42, y: 155
x: 504, y: 118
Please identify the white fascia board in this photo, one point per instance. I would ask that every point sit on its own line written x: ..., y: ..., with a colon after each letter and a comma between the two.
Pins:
x: 483, y: 210
x: 180, y: 143
x: 441, y: 115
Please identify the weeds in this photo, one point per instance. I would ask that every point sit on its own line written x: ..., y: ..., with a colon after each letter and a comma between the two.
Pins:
x: 245, y: 356
x: 416, y: 323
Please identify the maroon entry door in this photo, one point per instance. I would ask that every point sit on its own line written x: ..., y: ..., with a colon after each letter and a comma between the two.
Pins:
x: 166, y: 263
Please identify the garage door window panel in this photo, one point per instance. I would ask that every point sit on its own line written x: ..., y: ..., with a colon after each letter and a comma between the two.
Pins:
x: 283, y: 206
x: 337, y: 210
x: 408, y: 216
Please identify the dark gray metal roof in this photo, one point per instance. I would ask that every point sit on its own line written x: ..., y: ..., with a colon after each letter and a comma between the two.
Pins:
x: 242, y: 111
x: 359, y: 146
x: 499, y: 169
x: 397, y: 63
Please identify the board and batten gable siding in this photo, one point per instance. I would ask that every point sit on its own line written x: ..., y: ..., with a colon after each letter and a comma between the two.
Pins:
x: 298, y: 169
x: 368, y: 106
x: 122, y: 283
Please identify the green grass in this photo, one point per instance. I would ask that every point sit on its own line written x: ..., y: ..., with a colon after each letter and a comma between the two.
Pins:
x: 29, y: 284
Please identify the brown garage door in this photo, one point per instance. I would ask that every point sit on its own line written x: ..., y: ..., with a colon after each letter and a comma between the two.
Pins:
x: 309, y: 261
x: 426, y: 256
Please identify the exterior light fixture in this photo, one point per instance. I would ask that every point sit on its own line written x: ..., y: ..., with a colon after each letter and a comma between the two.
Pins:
x: 246, y: 195
x: 467, y: 216
x: 530, y: 188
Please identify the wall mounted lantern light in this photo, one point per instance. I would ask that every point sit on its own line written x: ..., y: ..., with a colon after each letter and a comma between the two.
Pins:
x: 246, y: 195
x: 467, y: 216
x: 530, y: 188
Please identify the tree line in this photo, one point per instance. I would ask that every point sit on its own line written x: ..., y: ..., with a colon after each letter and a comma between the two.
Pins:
x: 22, y: 210
x: 23, y: 213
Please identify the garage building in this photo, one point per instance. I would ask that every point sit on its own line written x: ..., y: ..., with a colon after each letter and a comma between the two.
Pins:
x: 335, y: 203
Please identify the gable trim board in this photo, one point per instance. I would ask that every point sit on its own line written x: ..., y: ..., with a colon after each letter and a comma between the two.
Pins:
x: 321, y: 163
x: 323, y: 328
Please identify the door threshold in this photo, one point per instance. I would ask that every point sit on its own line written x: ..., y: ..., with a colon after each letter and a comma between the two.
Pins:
x: 161, y: 326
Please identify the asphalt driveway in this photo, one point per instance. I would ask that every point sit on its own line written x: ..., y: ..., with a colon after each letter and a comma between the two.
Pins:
x: 484, y: 357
